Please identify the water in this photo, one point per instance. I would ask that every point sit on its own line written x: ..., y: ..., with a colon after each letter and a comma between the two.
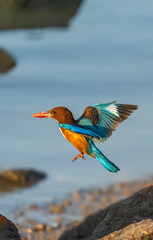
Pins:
x: 106, y: 54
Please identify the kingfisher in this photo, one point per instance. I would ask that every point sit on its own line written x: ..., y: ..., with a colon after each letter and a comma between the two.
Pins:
x: 95, y: 125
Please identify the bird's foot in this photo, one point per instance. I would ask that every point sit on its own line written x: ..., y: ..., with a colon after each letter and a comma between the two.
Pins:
x: 80, y: 155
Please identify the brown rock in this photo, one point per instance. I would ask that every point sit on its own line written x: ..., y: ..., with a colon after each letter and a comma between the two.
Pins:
x: 134, y: 209
x: 19, y: 178
x: 6, y: 61
x: 29, y: 230
x: 104, y: 200
x: 58, y: 219
x: 40, y: 227
x: 142, y: 230
x: 77, y: 195
x: 118, y: 186
x: 33, y: 207
x: 57, y: 208
x: 22, y: 175
x: 37, y: 13
x: 67, y: 203
x: 8, y: 230
x: 92, y: 198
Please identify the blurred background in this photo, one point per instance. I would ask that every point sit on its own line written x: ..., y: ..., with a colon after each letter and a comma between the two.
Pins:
x: 73, y: 53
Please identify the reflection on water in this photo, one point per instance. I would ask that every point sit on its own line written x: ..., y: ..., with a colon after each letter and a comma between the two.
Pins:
x: 106, y: 55
x: 33, y: 14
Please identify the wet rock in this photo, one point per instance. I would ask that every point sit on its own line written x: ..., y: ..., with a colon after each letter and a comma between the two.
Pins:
x: 8, y: 230
x: 6, y: 61
x: 19, y: 178
x: 134, y: 209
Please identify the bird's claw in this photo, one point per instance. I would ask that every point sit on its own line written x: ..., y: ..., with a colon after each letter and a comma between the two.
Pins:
x: 80, y: 155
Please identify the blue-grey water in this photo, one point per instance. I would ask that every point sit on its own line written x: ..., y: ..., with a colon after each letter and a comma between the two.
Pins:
x: 105, y: 54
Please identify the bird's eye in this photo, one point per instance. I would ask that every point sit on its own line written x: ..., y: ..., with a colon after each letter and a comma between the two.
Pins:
x: 53, y: 112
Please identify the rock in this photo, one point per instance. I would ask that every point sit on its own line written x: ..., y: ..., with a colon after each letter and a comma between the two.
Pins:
x: 67, y: 203
x: 29, y: 230
x: 23, y: 175
x: 58, y: 219
x: 92, y: 197
x: 40, y: 227
x: 8, y: 230
x: 127, y: 212
x: 33, y: 207
x: 75, y: 210
x: 16, y: 14
x: 142, y: 230
x: 6, y: 61
x: 77, y: 195
x: 57, y: 208
x: 19, y: 178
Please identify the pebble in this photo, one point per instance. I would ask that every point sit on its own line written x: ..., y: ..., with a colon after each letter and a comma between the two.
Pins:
x: 40, y: 227
x: 67, y: 203
x: 29, y: 230
x: 77, y: 195
x: 57, y: 208
x: 92, y: 198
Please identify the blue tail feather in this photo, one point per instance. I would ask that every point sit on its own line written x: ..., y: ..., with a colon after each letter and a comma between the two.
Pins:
x: 110, y: 166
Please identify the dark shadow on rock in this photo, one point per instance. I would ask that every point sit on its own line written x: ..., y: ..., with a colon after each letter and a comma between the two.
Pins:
x: 10, y: 180
x: 37, y: 13
x: 8, y: 231
x: 132, y: 210
x: 6, y: 61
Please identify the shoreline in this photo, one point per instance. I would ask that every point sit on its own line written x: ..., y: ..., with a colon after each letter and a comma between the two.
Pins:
x: 48, y: 221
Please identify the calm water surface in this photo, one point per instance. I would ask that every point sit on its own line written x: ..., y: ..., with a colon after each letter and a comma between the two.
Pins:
x: 106, y: 54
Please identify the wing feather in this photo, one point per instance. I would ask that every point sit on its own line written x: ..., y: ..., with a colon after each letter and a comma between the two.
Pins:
x: 79, y: 130
x: 105, y: 118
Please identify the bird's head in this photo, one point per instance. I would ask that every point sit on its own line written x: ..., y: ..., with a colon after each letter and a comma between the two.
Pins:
x: 61, y: 114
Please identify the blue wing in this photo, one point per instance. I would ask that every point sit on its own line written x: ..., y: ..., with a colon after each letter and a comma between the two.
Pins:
x: 80, y: 130
x: 104, y: 118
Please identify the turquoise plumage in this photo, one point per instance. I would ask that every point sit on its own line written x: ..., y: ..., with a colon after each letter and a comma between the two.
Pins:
x: 96, y: 125
x: 79, y: 129
x: 110, y: 166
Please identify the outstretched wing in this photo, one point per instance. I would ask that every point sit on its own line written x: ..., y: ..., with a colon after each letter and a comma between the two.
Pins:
x: 80, y: 130
x: 105, y: 118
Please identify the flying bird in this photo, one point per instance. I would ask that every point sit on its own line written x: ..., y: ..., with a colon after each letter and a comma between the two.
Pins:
x: 95, y: 125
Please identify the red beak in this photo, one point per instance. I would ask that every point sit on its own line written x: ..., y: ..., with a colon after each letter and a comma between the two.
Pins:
x: 44, y: 114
